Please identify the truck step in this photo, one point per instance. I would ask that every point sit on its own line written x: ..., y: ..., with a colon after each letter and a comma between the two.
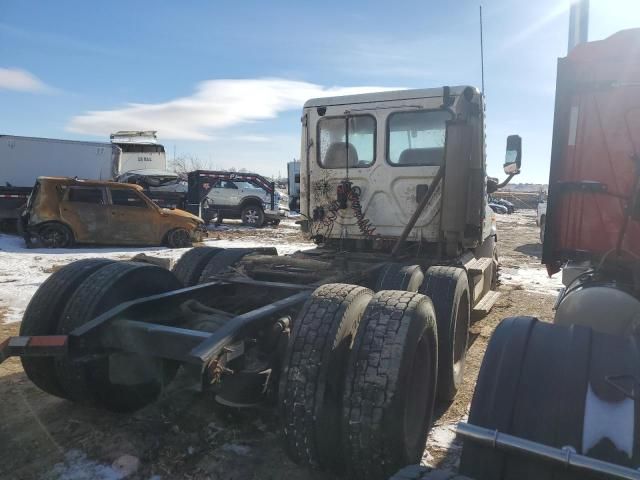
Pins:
x: 478, y: 266
x: 485, y: 305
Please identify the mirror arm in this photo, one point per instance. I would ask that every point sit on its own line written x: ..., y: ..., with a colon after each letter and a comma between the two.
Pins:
x: 507, y: 180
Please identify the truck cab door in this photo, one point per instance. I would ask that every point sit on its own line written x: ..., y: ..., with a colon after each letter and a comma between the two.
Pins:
x: 132, y: 218
x: 86, y: 211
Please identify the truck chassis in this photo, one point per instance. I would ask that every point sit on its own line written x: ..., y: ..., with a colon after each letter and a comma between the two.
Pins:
x: 236, y: 334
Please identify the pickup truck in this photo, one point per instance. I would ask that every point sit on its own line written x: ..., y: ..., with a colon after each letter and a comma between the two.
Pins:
x: 215, y: 195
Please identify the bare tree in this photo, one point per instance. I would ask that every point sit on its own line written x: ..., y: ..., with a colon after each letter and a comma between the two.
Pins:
x: 184, y: 164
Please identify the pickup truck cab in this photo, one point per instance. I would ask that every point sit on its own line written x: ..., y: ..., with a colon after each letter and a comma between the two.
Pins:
x: 241, y: 199
x: 254, y: 199
x: 62, y: 211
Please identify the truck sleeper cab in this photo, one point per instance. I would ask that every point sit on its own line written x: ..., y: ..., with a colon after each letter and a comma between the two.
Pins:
x: 390, y: 147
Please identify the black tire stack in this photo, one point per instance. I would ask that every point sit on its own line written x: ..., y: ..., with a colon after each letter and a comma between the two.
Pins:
x: 43, y: 313
x: 71, y: 297
x: 191, y: 264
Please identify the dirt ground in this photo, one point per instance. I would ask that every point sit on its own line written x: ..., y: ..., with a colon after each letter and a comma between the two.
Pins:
x: 186, y: 435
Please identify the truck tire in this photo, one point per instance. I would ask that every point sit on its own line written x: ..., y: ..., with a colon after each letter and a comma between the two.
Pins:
x: 390, y: 385
x: 42, y: 315
x: 419, y: 472
x: 252, y: 215
x: 227, y: 258
x: 86, y: 380
x: 311, y: 384
x: 189, y: 268
x: 55, y: 235
x: 535, y: 382
x: 448, y: 289
x: 179, y: 238
x: 395, y: 276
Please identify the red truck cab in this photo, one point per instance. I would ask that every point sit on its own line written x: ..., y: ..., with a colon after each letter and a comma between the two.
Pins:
x: 594, y: 200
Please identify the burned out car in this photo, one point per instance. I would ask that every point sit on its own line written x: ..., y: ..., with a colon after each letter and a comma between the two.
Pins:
x: 62, y: 211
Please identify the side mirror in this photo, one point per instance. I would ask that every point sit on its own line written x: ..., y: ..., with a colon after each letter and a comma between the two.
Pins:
x: 513, y: 158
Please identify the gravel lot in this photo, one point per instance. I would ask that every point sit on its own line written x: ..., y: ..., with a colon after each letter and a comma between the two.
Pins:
x: 185, y: 434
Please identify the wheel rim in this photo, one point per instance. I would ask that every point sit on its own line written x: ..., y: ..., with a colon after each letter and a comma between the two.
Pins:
x: 53, y: 237
x: 420, y: 387
x: 460, y: 336
x: 251, y: 216
x: 180, y: 238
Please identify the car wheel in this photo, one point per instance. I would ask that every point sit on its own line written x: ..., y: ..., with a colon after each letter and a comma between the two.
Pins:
x: 55, y: 235
x: 252, y: 216
x: 179, y: 238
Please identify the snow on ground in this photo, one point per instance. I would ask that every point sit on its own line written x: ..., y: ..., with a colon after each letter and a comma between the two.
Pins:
x: 521, y: 267
x: 22, y: 270
x: 534, y: 280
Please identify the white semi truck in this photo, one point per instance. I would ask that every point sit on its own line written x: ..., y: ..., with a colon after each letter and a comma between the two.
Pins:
x: 23, y: 159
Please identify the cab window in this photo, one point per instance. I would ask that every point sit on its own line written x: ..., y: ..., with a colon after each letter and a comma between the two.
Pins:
x: 225, y: 184
x: 347, y: 141
x: 127, y: 198
x: 417, y: 138
x: 85, y: 195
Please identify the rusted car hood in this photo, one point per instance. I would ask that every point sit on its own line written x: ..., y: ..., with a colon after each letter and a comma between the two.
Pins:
x: 181, y: 213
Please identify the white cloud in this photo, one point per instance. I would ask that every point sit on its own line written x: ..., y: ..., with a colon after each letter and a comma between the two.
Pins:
x: 21, y: 81
x: 216, y: 104
x: 251, y: 138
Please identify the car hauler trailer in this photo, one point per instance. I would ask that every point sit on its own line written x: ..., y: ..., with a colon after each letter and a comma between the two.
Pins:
x: 354, y: 340
x: 247, y: 196
x: 561, y: 401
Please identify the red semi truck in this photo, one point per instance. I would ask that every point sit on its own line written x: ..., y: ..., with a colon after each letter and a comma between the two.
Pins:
x: 562, y: 401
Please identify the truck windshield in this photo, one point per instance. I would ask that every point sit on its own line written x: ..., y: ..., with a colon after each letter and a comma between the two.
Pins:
x: 334, y: 150
x: 417, y: 138
x: 140, y: 148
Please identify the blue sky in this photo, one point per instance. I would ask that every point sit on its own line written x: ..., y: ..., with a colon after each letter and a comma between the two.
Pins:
x: 225, y: 81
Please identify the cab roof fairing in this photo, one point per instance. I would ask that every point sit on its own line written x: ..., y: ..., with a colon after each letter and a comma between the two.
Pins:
x: 389, y: 96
